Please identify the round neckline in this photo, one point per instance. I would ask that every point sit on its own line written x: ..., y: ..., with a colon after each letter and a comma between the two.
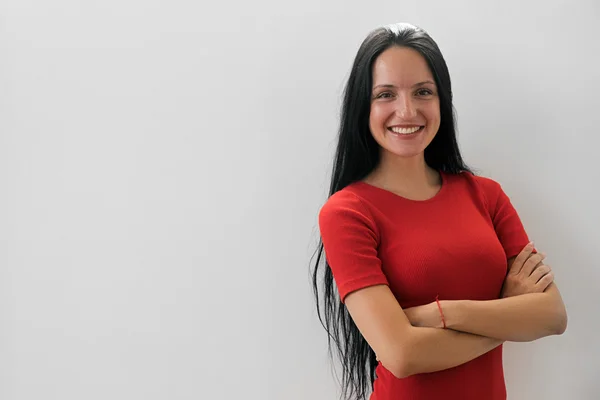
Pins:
x: 443, y: 189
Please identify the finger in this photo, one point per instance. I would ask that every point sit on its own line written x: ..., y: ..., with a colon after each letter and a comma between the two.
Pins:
x: 521, y: 258
x: 545, y: 281
x: 532, y: 262
x: 539, y: 272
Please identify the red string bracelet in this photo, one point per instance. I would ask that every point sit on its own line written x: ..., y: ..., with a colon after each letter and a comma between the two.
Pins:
x: 437, y: 300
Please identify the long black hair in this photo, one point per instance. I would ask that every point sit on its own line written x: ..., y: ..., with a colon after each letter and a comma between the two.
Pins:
x: 357, y: 154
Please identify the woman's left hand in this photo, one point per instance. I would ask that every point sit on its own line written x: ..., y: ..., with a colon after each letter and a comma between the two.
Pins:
x: 527, y: 274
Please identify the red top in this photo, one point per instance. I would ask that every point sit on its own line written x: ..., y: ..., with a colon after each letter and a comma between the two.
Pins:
x: 454, y: 245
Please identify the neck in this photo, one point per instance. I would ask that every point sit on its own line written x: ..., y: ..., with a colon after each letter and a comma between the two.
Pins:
x: 404, y: 175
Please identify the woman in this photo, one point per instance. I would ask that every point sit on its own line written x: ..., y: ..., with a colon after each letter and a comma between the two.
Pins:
x: 427, y: 267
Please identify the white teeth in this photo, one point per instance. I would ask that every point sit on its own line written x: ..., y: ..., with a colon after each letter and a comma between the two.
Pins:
x: 405, y: 131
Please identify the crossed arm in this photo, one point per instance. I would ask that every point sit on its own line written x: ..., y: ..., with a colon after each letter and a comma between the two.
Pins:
x: 409, y: 341
x: 520, y: 318
x: 531, y: 306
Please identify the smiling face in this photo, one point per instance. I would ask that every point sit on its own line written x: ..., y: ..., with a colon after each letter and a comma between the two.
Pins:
x: 405, y: 107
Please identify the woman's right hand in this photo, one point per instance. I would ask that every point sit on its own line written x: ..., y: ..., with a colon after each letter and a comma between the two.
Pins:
x: 527, y: 274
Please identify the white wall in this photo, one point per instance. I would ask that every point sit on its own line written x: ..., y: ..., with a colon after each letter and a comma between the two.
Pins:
x: 163, y: 163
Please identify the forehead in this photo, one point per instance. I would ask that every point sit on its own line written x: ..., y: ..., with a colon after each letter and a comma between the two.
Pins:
x: 400, y: 66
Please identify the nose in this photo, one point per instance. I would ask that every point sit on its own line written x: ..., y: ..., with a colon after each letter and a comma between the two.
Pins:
x: 405, y: 108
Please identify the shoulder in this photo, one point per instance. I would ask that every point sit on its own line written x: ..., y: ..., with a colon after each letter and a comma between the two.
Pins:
x: 483, y: 181
x: 345, y: 206
x: 343, y: 200
x: 486, y: 190
x: 488, y: 186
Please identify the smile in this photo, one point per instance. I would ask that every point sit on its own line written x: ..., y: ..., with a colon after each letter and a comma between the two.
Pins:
x: 406, y: 130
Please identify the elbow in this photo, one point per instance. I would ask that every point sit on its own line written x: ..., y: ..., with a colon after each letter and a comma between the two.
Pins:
x: 561, y: 322
x: 403, y: 364
x: 401, y: 370
x: 557, y: 324
x: 560, y: 318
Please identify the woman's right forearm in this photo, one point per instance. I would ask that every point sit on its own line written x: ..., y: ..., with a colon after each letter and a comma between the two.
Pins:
x: 433, y: 349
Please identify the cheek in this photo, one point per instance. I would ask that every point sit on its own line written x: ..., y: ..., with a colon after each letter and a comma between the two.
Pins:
x: 432, y: 119
x: 377, y: 117
x: 433, y: 113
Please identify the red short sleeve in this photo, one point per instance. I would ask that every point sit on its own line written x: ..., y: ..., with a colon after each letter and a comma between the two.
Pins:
x: 507, y: 223
x: 350, y: 239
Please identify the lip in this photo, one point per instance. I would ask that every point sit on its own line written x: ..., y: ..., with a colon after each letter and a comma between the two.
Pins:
x: 409, y: 135
x: 406, y: 126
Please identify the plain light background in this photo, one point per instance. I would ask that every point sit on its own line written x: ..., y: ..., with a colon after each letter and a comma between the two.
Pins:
x: 163, y: 164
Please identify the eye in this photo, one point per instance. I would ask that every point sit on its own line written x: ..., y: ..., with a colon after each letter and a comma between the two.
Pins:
x: 424, y: 92
x: 384, y: 95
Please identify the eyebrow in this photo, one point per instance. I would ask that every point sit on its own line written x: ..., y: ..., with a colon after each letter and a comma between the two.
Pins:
x: 415, y: 85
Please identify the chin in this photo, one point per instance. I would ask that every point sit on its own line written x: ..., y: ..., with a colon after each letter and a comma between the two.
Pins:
x: 404, y: 154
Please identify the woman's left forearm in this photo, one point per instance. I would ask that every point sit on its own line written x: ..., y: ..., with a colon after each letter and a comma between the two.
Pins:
x: 519, y: 318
